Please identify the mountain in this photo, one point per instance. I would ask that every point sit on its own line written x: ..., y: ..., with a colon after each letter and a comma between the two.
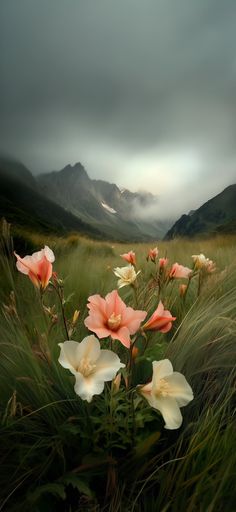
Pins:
x: 23, y: 204
x: 218, y: 215
x: 120, y: 214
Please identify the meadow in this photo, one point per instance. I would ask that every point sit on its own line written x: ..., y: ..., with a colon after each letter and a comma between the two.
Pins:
x: 59, y: 452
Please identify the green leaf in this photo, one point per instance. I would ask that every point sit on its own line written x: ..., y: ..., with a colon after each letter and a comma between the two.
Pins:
x: 77, y: 483
x: 57, y: 489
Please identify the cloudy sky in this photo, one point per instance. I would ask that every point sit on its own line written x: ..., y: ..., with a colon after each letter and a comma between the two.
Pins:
x: 142, y: 92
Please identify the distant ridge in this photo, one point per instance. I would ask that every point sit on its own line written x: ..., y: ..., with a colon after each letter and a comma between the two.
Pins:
x: 218, y: 215
x: 23, y: 204
x: 119, y: 213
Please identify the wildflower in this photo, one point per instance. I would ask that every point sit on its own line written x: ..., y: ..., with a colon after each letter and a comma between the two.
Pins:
x: 167, y: 392
x: 116, y: 383
x: 163, y: 262
x: 201, y: 262
x: 75, y: 316
x: 135, y: 352
x: 182, y: 289
x: 127, y: 275
x: 90, y: 365
x: 152, y: 254
x: 178, y: 271
x: 38, y: 266
x: 161, y: 320
x: 130, y: 257
x: 111, y: 317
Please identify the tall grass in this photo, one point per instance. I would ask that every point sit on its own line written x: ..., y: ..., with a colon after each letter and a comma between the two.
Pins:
x: 53, y: 452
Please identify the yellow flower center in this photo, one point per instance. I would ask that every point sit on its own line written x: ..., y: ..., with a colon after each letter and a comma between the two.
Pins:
x: 114, y: 322
x: 85, y: 367
x: 163, y: 388
x: 129, y: 275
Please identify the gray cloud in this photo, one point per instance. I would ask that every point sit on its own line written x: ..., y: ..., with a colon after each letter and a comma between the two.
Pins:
x: 129, y: 88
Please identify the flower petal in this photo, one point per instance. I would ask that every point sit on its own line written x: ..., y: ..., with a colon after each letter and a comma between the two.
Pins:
x: 179, y: 388
x: 89, y: 349
x: 26, y: 264
x: 34, y: 279
x: 94, y: 321
x: 145, y: 390
x: 132, y: 319
x: 49, y: 254
x: 167, y: 406
x: 167, y: 327
x: 121, y: 283
x: 21, y: 266
x: 122, y: 335
x: 160, y: 370
x: 86, y: 387
x: 69, y: 357
x: 170, y: 411
x: 97, y: 304
x: 44, y: 271
x: 179, y: 271
x: 114, y: 304
x: 118, y: 271
x: 101, y: 332
x: 37, y: 256
x: 108, y: 365
x: 160, y: 309
x: 161, y: 320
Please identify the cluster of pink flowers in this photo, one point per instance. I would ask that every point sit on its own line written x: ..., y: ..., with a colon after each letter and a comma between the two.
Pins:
x: 127, y: 275
x: 108, y: 316
x: 111, y: 317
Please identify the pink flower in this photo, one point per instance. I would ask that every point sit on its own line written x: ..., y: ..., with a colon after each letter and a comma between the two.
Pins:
x: 38, y: 266
x: 130, y: 257
x: 178, y: 271
x: 163, y: 262
x: 161, y: 320
x: 152, y: 254
x: 111, y: 317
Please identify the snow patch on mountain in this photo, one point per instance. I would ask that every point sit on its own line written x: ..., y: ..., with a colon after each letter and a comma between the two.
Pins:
x: 108, y: 208
x: 121, y: 189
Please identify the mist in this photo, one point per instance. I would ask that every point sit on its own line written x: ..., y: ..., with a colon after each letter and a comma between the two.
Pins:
x: 141, y: 93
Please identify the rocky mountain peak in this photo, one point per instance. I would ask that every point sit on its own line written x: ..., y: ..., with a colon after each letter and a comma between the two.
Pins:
x: 76, y: 170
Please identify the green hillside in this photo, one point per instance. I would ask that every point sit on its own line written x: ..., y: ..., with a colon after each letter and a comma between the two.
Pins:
x: 22, y: 204
x: 218, y: 215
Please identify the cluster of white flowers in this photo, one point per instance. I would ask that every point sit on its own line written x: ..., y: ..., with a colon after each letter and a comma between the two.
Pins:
x: 92, y: 367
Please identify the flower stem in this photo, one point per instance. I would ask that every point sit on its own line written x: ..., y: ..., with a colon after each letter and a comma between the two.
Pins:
x: 146, y: 341
x: 199, y: 284
x: 135, y: 290
x: 130, y: 366
x: 133, y: 418
x: 59, y: 293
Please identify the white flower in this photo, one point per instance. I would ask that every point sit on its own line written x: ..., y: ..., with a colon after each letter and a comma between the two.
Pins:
x: 201, y: 261
x: 90, y: 365
x: 167, y: 392
x: 127, y: 275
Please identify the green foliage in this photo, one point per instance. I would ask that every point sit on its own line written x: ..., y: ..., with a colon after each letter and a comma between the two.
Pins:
x: 60, y: 453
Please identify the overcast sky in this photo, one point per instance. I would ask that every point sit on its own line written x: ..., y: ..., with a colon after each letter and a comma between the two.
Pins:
x: 142, y: 92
